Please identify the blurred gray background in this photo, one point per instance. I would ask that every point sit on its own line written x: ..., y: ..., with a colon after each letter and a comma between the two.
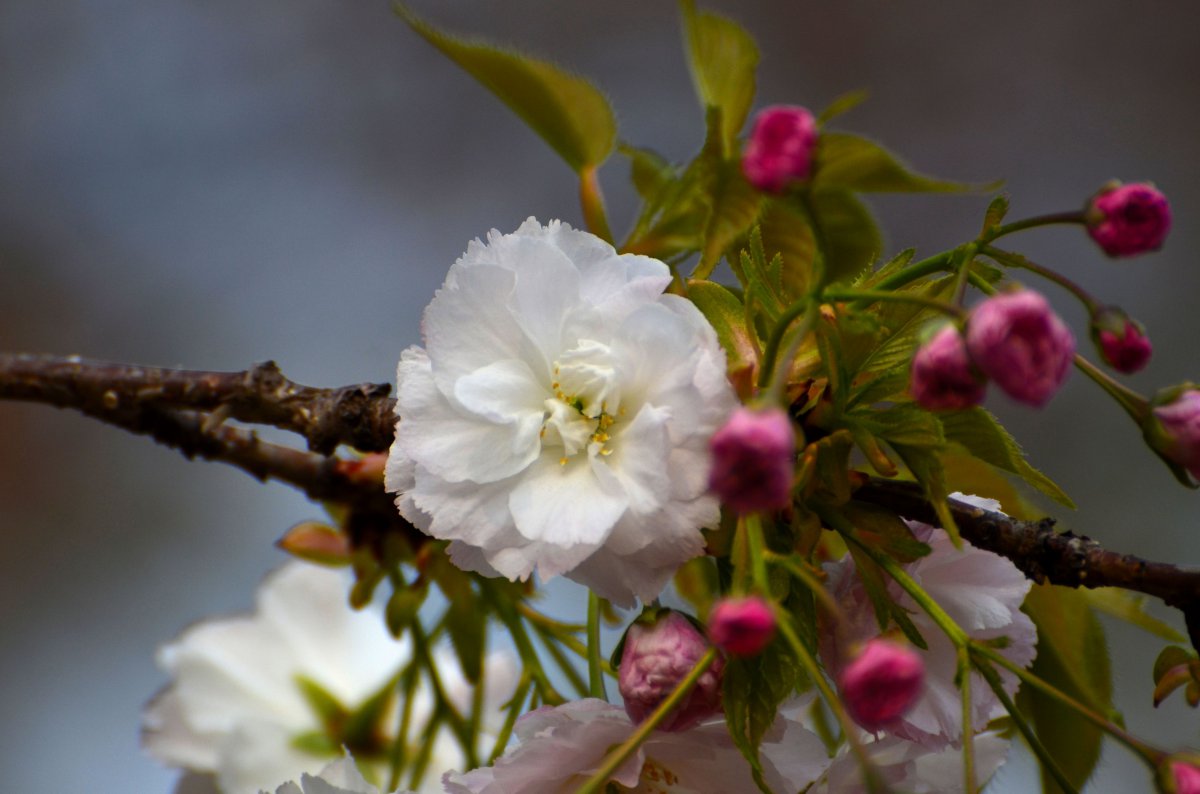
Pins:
x: 209, y: 184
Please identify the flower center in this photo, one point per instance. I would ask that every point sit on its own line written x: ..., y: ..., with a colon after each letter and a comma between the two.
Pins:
x: 586, y: 401
x: 656, y: 779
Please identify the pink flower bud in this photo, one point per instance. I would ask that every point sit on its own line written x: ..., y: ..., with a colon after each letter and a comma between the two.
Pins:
x: 882, y: 684
x: 1021, y: 344
x: 1127, y: 220
x: 1175, y: 430
x: 658, y: 654
x: 741, y: 626
x: 1121, y: 340
x: 752, y: 460
x: 780, y: 149
x: 943, y: 377
x: 1186, y: 778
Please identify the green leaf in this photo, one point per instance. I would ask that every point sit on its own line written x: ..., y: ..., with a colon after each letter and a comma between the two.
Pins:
x: 752, y: 689
x: 325, y: 706
x: 994, y: 216
x: 1072, y: 656
x: 926, y: 467
x: 849, y: 232
x: 727, y: 316
x: 983, y: 436
x: 569, y: 113
x: 843, y: 104
x: 723, y: 58
x: 787, y: 232
x: 1131, y: 608
x: 903, y: 325
x: 402, y: 608
x: 903, y: 423
x: 856, y: 163
x: 649, y: 171
x: 885, y: 530
x: 735, y: 206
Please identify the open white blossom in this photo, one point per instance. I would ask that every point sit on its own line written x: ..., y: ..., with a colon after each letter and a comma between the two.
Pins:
x: 235, y: 708
x: 912, y: 767
x: 558, y: 417
x: 980, y: 590
x: 561, y: 747
x: 339, y: 777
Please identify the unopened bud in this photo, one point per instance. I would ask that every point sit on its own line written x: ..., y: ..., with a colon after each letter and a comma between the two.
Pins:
x: 780, y: 149
x: 660, y: 649
x: 1174, y: 429
x: 1121, y: 340
x: 943, y: 377
x: 1018, y: 341
x: 741, y: 626
x: 882, y: 684
x: 1127, y: 220
x: 753, y: 457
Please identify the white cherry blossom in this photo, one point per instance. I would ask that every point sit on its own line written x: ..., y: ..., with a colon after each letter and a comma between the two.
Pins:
x: 338, y: 777
x: 235, y: 710
x: 557, y: 419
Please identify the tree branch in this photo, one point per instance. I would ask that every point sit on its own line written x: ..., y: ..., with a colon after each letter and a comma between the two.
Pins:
x: 359, y: 416
x: 185, y: 410
x: 1044, y: 555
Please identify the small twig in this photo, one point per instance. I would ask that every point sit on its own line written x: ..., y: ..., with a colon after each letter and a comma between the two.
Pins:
x: 359, y: 416
x: 1044, y: 555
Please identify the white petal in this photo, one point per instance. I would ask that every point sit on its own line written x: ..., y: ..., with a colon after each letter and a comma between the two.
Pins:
x: 564, y: 504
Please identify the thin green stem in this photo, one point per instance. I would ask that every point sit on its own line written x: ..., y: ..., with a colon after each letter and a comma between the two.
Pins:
x: 513, y: 710
x: 964, y: 260
x: 1134, y: 404
x: 874, y: 783
x: 529, y: 658
x: 901, y: 577
x: 551, y: 644
x: 614, y: 759
x: 810, y: 580
x: 756, y: 547
x: 970, y: 786
x: 1014, y: 260
x: 1152, y: 756
x: 408, y: 686
x: 591, y: 200
x: 873, y: 295
x: 925, y: 267
x: 1035, y: 744
x: 595, y: 676
x: 1075, y: 216
x: 449, y: 712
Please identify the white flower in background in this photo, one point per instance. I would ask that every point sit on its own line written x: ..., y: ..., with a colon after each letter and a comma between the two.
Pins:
x: 235, y: 707
x: 558, y: 417
x: 981, y: 591
x: 560, y: 747
x: 339, y: 777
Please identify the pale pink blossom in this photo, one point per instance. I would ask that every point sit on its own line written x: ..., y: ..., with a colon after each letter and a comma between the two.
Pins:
x: 561, y: 747
x: 981, y: 591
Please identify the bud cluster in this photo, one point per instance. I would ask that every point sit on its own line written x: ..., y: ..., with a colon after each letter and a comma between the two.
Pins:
x: 1015, y: 340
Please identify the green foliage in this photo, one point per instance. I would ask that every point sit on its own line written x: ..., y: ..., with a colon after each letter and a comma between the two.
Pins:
x: 724, y: 311
x: 1073, y: 657
x: 1131, y: 608
x: 855, y: 163
x: 841, y: 105
x: 567, y: 111
x: 982, y: 435
x: 849, y: 235
x: 723, y: 58
x: 1176, y: 667
x: 752, y: 689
